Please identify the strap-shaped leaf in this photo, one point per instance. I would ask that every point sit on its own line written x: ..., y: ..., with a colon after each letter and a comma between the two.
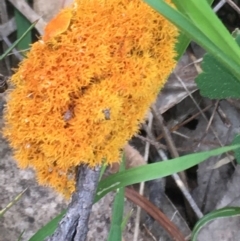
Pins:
x: 220, y: 213
x: 137, y: 175
x: 192, y: 30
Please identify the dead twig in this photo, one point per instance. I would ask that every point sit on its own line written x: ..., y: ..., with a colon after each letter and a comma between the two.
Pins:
x: 7, y: 28
x: 233, y: 5
x: 169, y: 141
x: 154, y: 143
x: 176, y: 127
x: 200, y: 110
x: 74, y: 225
x: 177, y: 179
x: 28, y: 12
x: 142, y: 184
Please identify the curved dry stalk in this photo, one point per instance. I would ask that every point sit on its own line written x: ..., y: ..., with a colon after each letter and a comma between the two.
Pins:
x: 152, y: 210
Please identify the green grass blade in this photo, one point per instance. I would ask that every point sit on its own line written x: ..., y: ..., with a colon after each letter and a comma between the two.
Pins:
x: 22, y: 24
x: 236, y: 141
x: 155, y: 170
x: 183, y: 39
x: 115, y: 233
x: 17, y: 41
x: 20, y: 236
x: 125, y: 220
x: 48, y: 229
x: 137, y: 175
x: 206, y: 20
x: 180, y: 6
x: 220, y: 213
x: 182, y: 44
x: 103, y: 169
x: 194, y: 33
x: 16, y: 199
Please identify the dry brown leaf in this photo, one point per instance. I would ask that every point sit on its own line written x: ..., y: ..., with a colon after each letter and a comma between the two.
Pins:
x: 133, y: 159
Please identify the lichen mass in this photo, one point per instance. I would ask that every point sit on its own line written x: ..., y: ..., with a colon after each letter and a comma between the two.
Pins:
x: 84, y: 88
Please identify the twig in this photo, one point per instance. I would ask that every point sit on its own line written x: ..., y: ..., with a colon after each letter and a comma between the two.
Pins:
x: 177, y: 126
x: 154, y: 143
x: 149, y: 232
x: 219, y: 5
x: 74, y: 225
x: 233, y: 5
x: 7, y: 28
x: 142, y: 184
x: 212, y: 116
x: 198, y: 107
x: 168, y: 138
x: 223, y: 117
x: 184, y: 190
x: 178, y: 180
x: 28, y: 12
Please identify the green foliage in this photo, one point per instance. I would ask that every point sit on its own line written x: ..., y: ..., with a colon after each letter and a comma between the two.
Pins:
x: 220, y: 79
x: 220, y: 213
x: 17, y: 41
x: 198, y: 21
x: 125, y: 220
x: 22, y: 24
x: 216, y: 81
x: 183, y: 39
x: 137, y: 175
x: 203, y: 17
x: 115, y: 233
x: 48, y: 229
x: 154, y: 171
x: 236, y: 141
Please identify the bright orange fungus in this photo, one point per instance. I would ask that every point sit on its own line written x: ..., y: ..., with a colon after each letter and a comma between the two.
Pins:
x: 83, y: 89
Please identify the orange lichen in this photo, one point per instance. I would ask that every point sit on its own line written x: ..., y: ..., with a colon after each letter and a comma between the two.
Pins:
x: 58, y: 25
x: 83, y: 90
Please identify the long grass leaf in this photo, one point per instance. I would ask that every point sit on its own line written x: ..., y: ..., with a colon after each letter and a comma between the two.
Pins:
x: 137, y: 175
x: 207, y: 21
x: 17, y: 41
x: 183, y: 39
x: 115, y: 233
x: 155, y: 170
x: 194, y: 33
x: 16, y: 199
x: 220, y: 213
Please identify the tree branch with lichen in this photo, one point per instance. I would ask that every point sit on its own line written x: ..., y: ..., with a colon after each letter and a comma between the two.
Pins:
x: 74, y: 225
x: 78, y: 98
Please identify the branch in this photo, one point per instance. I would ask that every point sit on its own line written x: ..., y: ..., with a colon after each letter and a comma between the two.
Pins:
x: 74, y: 225
x: 29, y: 13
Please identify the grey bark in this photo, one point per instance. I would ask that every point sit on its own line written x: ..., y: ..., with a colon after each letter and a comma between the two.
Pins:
x: 74, y: 225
